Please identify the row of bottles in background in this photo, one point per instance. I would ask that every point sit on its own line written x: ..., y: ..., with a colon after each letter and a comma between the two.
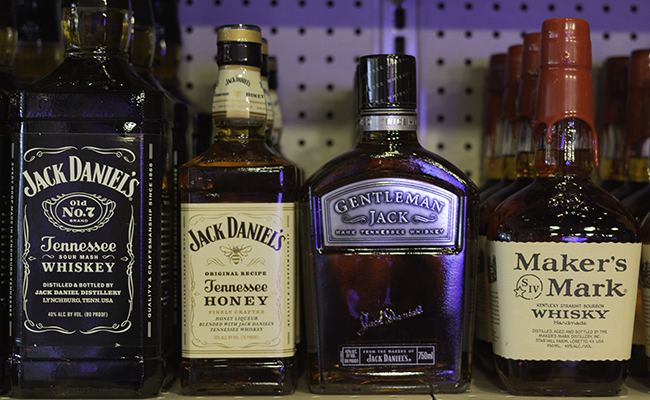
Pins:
x: 540, y: 236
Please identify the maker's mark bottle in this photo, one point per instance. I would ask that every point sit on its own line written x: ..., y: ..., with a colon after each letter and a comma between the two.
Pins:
x: 390, y: 249
x: 92, y: 184
x: 564, y: 254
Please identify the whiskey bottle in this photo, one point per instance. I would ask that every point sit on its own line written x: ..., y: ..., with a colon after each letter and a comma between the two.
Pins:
x: 635, y: 152
x: 507, y: 120
x: 389, y: 252
x: 276, y: 131
x: 563, y: 252
x: 264, y: 73
x: 92, y: 183
x: 491, y: 144
x: 141, y: 56
x: 525, y: 173
x: 238, y: 241
x: 8, y: 43
x: 39, y: 48
x: 615, y: 71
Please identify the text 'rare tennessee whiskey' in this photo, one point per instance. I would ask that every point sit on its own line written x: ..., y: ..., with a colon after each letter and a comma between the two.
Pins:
x: 238, y: 240
x: 563, y: 253
x: 92, y: 189
x: 389, y: 254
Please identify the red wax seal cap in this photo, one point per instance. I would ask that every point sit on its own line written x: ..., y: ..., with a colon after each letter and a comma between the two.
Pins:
x: 615, y: 72
x: 565, y: 87
x: 529, y: 76
x: 638, y: 102
x: 513, y: 73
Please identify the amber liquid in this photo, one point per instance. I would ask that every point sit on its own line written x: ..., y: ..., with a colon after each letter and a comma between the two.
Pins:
x: 562, y: 205
x: 102, y: 96
x: 342, y: 283
x: 239, y: 168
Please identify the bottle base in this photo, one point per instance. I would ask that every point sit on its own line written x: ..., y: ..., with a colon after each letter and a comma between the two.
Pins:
x: 201, y: 377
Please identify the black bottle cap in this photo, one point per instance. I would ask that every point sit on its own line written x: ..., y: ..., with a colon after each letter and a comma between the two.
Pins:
x: 387, y: 81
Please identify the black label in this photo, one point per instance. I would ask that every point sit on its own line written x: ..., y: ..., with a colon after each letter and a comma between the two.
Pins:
x: 89, y: 237
x: 358, y: 356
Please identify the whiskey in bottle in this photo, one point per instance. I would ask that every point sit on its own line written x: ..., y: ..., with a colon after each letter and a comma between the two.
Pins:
x: 507, y: 121
x: 635, y: 152
x: 610, y: 171
x: 141, y: 55
x: 92, y: 199
x: 39, y: 48
x: 389, y: 251
x: 8, y: 43
x: 491, y: 144
x: 525, y: 173
x: 563, y: 253
x: 238, y: 241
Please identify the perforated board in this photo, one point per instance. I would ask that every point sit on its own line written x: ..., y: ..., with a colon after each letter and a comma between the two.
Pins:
x: 317, y: 43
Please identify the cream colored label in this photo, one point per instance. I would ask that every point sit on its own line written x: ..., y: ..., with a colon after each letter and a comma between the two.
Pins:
x: 563, y: 301
x: 483, y: 326
x: 239, y: 93
x: 238, y: 280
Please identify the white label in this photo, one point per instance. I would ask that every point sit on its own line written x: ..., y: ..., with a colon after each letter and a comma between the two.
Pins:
x: 239, y: 93
x: 563, y: 301
x: 238, y: 280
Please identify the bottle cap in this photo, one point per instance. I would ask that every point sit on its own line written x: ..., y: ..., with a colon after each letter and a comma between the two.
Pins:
x: 387, y: 81
x: 512, y: 74
x: 239, y: 33
x: 239, y: 45
x: 496, y: 72
x: 527, y: 99
x: 615, y: 71
x: 638, y: 103
x: 273, y: 73
x: 495, y: 85
x: 565, y: 87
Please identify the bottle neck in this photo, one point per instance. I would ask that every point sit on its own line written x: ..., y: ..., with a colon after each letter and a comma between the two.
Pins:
x: 525, y: 164
x: 142, y: 49
x: 96, y: 32
x: 239, y: 104
x: 8, y: 41
x: 167, y: 58
x: 509, y: 150
x: 566, y: 152
x: 388, y: 127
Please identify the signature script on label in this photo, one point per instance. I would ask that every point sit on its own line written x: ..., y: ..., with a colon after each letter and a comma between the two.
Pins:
x: 386, y: 317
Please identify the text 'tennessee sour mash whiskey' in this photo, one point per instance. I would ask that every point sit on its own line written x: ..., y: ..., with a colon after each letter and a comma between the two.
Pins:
x: 563, y: 253
x: 92, y: 200
x: 238, y: 240
x: 390, y: 251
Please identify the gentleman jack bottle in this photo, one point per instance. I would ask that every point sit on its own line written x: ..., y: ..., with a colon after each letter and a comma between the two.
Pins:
x: 92, y: 182
x: 390, y: 251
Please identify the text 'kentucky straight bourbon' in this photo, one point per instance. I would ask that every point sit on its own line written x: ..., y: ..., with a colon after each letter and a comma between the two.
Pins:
x: 390, y: 250
x: 238, y: 241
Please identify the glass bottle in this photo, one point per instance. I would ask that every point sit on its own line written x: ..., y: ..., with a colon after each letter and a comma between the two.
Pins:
x: 238, y: 241
x: 615, y: 71
x: 637, y: 145
x: 276, y: 132
x: 390, y: 245
x: 8, y: 43
x: 141, y: 56
x: 92, y: 190
x: 507, y: 120
x: 563, y: 253
x: 166, y: 69
x: 270, y: 110
x: 491, y: 146
x: 39, y: 48
x: 525, y: 172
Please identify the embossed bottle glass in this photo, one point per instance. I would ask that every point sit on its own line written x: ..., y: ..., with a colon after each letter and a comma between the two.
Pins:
x: 238, y: 240
x: 92, y: 180
x: 389, y: 252
x: 564, y: 253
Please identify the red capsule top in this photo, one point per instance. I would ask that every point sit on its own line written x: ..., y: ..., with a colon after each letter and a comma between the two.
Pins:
x: 565, y: 87
x: 527, y: 100
x: 637, y: 123
x: 615, y: 70
x: 513, y: 75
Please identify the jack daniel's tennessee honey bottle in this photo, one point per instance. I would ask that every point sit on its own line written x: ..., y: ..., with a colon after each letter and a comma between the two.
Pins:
x: 563, y: 253
x: 390, y: 250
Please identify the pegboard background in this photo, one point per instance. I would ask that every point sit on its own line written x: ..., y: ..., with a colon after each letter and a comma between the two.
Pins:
x: 317, y: 43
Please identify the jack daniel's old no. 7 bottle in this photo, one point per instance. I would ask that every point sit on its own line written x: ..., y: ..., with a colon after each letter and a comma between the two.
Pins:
x: 390, y: 256
x: 91, y: 173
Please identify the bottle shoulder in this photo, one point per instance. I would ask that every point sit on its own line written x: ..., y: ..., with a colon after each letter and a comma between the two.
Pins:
x: 410, y: 162
x: 559, y: 210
